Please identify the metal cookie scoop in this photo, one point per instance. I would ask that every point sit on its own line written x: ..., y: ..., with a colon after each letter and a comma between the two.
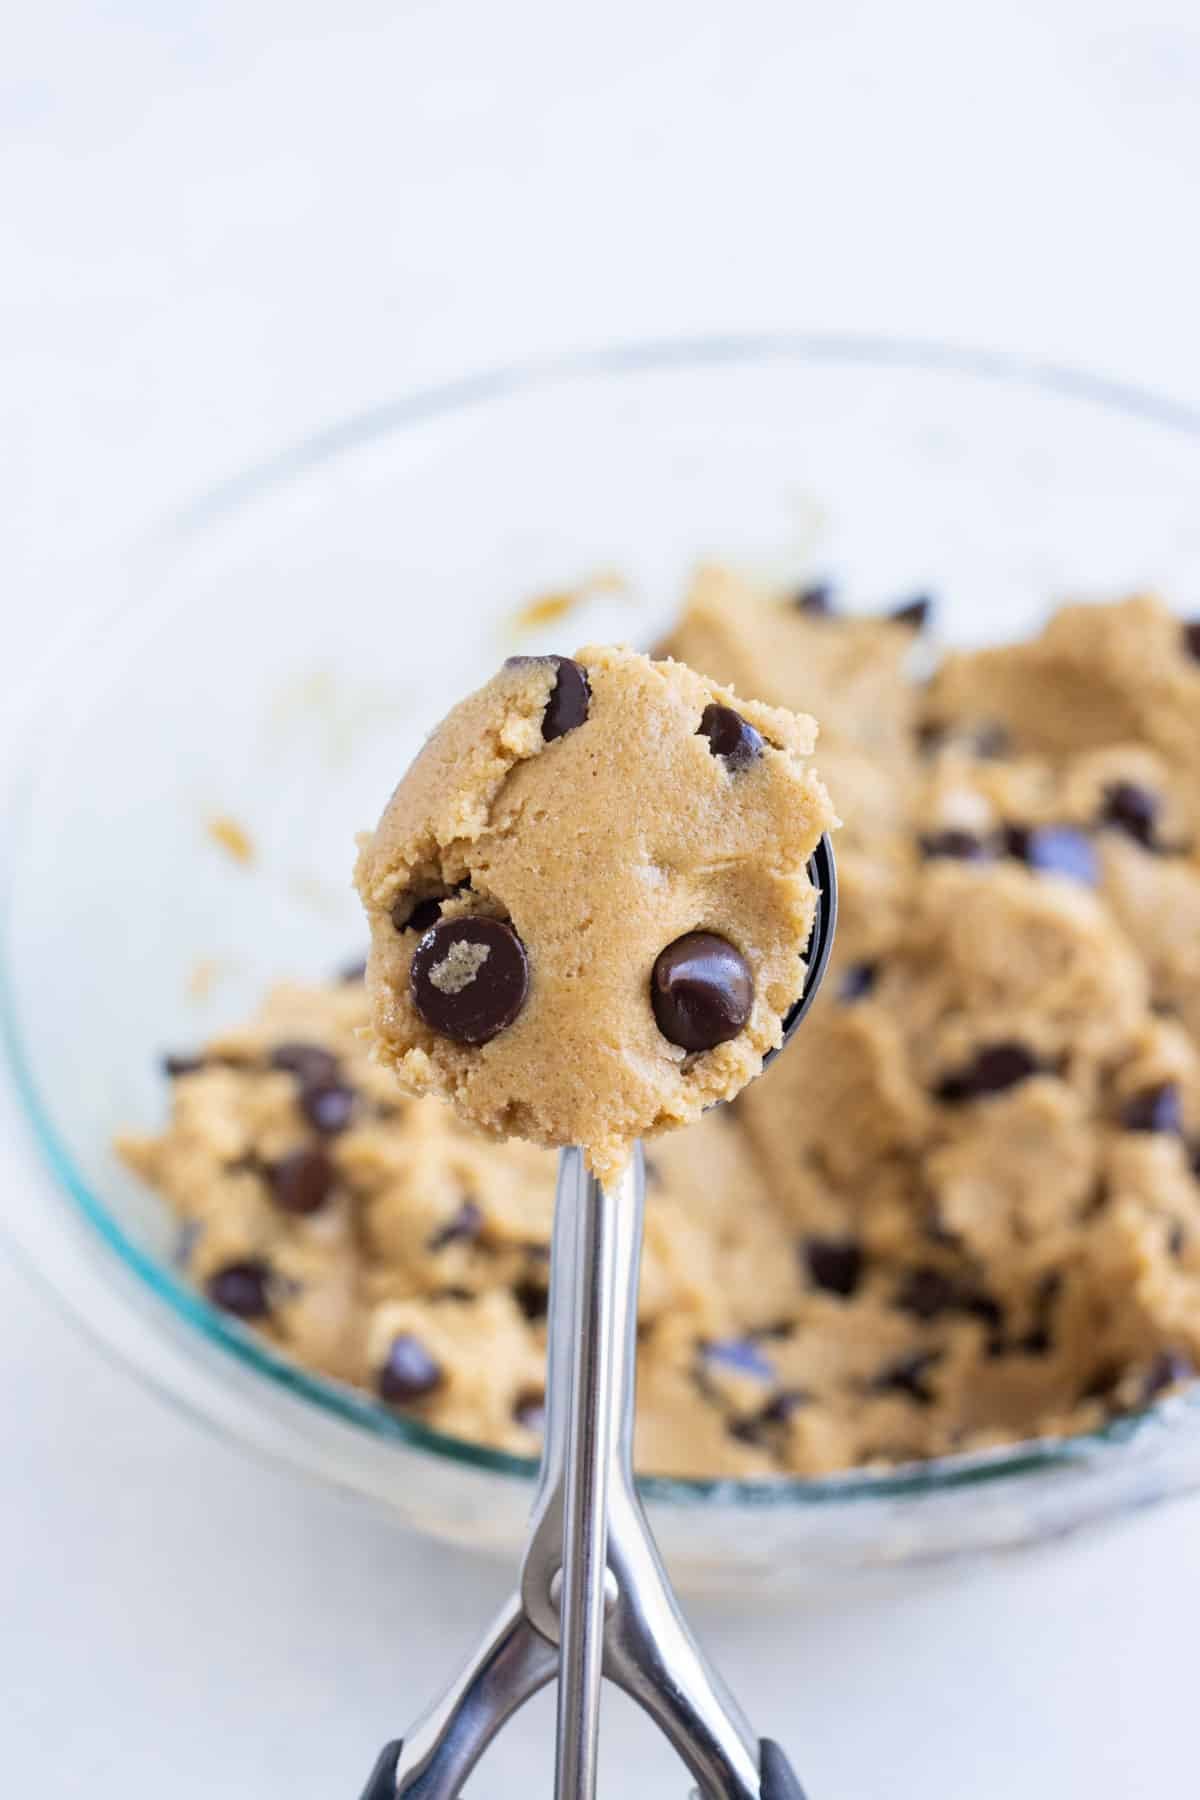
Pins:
x: 593, y: 1598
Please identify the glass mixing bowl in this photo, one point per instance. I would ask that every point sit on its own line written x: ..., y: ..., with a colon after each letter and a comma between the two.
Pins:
x: 277, y: 654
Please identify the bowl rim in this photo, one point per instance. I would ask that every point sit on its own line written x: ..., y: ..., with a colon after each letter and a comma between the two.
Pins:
x: 918, y: 1480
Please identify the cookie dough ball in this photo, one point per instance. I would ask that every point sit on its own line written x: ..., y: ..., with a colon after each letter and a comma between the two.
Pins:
x: 589, y: 899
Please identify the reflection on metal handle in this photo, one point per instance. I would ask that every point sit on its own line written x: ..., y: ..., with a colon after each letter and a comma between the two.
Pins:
x: 595, y: 1395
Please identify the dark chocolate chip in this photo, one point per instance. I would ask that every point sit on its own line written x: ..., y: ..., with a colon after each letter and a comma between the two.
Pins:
x: 925, y: 1292
x: 353, y: 972
x: 175, y: 1066
x: 532, y: 1298
x: 469, y: 978
x: 1177, y: 1239
x: 242, y: 1288
x: 907, y: 1375
x: 857, y: 982
x: 570, y: 697
x: 1191, y: 638
x: 816, y: 599
x: 701, y: 990
x: 914, y: 612
x: 301, y: 1182
x: 328, y: 1106
x: 730, y: 736
x: 781, y: 1406
x: 463, y: 1228
x: 1055, y: 850
x: 530, y: 1411
x: 835, y: 1264
x: 309, y: 1063
x: 742, y: 1355
x: 930, y: 737
x: 1102, y: 1383
x: 1133, y: 810
x: 994, y: 1068
x: 1169, y: 1369
x: 1154, y: 1109
x: 409, y: 1372
x: 963, y: 846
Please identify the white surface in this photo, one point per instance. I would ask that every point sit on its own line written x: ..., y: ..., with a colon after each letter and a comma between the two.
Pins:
x: 225, y: 226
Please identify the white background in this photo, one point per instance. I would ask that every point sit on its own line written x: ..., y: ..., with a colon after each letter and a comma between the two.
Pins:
x: 225, y: 225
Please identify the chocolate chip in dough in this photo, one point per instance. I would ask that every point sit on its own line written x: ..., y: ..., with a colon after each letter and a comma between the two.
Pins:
x: 993, y: 1069
x: 701, y: 990
x: 1132, y: 809
x: 409, y: 1372
x: 961, y: 846
x: 914, y: 612
x: 174, y: 1065
x: 570, y: 697
x: 463, y: 1228
x: 532, y: 1298
x: 926, y: 1292
x: 302, y: 1181
x: 907, y: 1375
x: 1153, y: 1109
x: 530, y: 1411
x: 469, y: 978
x: 835, y: 1264
x: 1191, y: 638
x: 242, y: 1288
x: 730, y: 736
x: 857, y: 982
x: 309, y: 1063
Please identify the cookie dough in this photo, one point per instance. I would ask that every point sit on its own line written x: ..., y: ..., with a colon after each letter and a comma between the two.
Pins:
x: 589, y: 899
x: 963, y: 1209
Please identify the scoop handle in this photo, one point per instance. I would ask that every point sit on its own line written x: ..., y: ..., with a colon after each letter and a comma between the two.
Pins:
x: 381, y: 1783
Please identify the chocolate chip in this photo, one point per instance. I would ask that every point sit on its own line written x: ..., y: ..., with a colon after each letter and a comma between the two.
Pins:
x: 530, y: 1411
x: 570, y: 697
x: 963, y: 846
x: 835, y: 1264
x: 907, y: 1375
x: 1055, y: 850
x: 463, y: 1228
x: 1133, y: 810
x: 532, y: 1298
x: 242, y: 1288
x: 994, y: 1068
x: 781, y: 1406
x: 925, y: 1292
x: 857, y: 981
x: 816, y: 599
x: 1169, y: 1369
x: 328, y: 1106
x: 701, y: 990
x: 1154, y: 1109
x: 175, y: 1066
x: 352, y: 972
x: 301, y: 1182
x: 1191, y: 638
x: 309, y: 1063
x: 742, y: 1355
x: 730, y: 736
x: 930, y: 737
x: 409, y: 1372
x: 1177, y: 1239
x: 914, y: 612
x: 469, y: 978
